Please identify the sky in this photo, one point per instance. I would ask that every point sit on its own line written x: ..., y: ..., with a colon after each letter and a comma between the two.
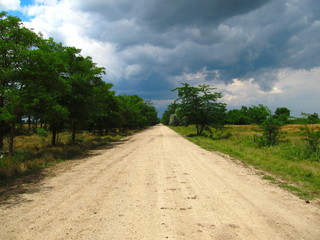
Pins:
x: 253, y: 51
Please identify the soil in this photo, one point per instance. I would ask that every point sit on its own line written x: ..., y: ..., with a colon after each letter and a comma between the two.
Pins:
x: 155, y: 185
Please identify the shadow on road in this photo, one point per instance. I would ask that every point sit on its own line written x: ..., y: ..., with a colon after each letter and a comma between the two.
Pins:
x: 16, y: 190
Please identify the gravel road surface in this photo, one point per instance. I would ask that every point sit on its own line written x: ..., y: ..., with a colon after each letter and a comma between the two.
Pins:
x: 155, y: 185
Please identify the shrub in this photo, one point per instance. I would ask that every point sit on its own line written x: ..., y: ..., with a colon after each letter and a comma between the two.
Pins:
x: 42, y: 132
x: 271, y: 129
x: 312, y: 138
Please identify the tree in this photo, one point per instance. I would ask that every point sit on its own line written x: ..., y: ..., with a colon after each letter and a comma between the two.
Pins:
x: 258, y: 114
x: 238, y: 116
x: 136, y: 113
x: 82, y: 75
x: 313, y: 118
x: 282, y: 114
x: 171, y: 109
x: 16, y: 42
x: 104, y: 113
x: 199, y: 106
x: 271, y: 128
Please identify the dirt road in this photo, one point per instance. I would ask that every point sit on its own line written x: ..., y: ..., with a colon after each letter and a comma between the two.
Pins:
x: 155, y: 185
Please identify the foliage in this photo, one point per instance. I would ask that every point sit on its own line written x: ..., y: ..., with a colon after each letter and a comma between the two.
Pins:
x: 245, y: 115
x: 199, y: 106
x: 270, y: 128
x: 312, y: 118
x: 312, y: 138
x: 56, y: 87
x: 171, y: 109
x: 259, y: 114
x: 282, y: 114
x: 42, y: 132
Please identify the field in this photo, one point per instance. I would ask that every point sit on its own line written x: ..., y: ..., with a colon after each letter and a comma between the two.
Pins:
x: 286, y: 164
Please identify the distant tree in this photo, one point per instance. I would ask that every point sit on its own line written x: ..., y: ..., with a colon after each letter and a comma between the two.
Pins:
x: 282, y: 114
x: 238, y: 116
x: 174, y: 120
x: 136, y: 113
x: 171, y: 109
x: 200, y: 106
x: 150, y: 112
x: 313, y: 118
x: 258, y: 114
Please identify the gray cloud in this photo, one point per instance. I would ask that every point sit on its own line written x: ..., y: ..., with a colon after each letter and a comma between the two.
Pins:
x: 158, y: 42
x: 239, y: 38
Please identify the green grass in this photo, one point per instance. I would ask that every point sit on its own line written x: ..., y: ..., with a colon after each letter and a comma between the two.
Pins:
x: 286, y: 164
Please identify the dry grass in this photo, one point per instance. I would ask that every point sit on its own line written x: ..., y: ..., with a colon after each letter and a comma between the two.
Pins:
x: 35, y: 152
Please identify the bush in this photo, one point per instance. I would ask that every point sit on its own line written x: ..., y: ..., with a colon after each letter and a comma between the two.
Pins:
x: 312, y: 138
x: 42, y: 132
x: 271, y: 129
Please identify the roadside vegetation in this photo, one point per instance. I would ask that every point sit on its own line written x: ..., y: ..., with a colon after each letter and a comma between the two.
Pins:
x: 54, y: 102
x: 35, y: 152
x: 286, y: 149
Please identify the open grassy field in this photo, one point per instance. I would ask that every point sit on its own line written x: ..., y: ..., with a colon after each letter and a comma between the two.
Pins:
x: 35, y: 152
x: 287, y: 164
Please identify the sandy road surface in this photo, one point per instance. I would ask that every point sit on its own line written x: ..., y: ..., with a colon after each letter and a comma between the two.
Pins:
x: 156, y: 185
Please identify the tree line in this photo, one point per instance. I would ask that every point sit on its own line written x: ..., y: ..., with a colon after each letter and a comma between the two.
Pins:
x: 200, y: 106
x: 54, y: 86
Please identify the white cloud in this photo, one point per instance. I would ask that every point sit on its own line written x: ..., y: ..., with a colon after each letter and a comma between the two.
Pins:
x: 296, y: 89
x: 60, y: 20
x: 7, y: 5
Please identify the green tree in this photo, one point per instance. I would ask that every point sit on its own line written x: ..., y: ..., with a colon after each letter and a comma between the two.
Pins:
x: 104, y: 113
x: 238, y: 116
x: 16, y: 42
x: 136, y: 113
x: 51, y: 75
x: 258, y: 114
x: 271, y: 128
x: 200, y: 106
x: 282, y: 114
x: 82, y: 75
x: 313, y: 118
x: 171, y: 109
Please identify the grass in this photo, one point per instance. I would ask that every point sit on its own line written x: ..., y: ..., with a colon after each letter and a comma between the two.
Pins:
x: 287, y: 164
x: 33, y: 153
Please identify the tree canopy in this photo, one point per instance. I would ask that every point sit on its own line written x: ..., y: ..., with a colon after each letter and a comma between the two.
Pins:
x: 200, y: 106
x: 54, y: 85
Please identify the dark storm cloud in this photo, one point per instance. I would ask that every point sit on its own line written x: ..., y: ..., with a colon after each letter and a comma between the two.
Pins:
x: 163, y: 14
x: 158, y: 40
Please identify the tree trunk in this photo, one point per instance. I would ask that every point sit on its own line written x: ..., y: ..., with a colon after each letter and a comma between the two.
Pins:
x: 29, y: 122
x: 2, y: 125
x: 73, y: 137
x: 1, y: 135
x: 198, y: 130
x: 11, y: 139
x: 54, y: 136
x: 201, y: 129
